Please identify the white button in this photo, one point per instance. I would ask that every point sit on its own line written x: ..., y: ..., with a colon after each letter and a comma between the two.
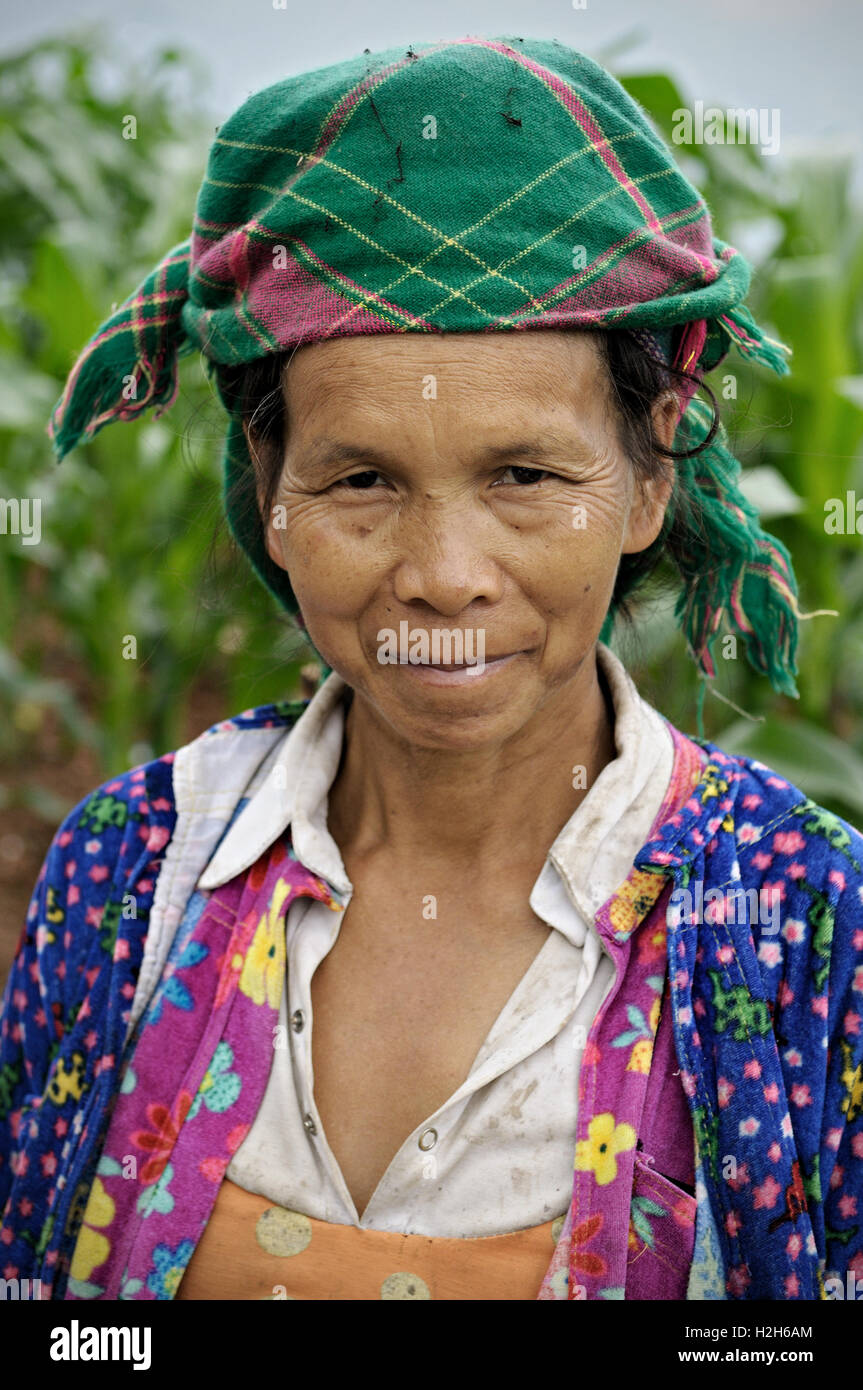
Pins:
x: 428, y: 1139
x: 309, y: 1125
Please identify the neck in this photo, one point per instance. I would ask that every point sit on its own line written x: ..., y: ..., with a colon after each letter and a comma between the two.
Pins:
x: 472, y: 811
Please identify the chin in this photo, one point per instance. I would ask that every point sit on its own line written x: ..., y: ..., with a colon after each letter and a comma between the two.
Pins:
x: 460, y: 713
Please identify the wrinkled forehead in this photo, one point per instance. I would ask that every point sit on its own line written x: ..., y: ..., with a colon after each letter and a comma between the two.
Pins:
x: 472, y: 369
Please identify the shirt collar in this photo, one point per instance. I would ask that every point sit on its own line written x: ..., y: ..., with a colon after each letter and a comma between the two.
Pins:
x: 294, y: 793
x: 595, y: 850
x: 588, y: 860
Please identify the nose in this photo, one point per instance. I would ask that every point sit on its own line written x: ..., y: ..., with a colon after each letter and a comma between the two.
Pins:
x: 446, y: 558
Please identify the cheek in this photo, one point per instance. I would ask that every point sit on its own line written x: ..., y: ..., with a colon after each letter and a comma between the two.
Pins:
x: 573, y: 561
x: 576, y: 585
x: 561, y: 555
x: 330, y: 557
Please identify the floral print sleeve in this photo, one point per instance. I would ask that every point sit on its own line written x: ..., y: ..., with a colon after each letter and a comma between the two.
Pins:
x: 813, y: 974
x: 767, y: 979
x: 66, y: 1005
x: 35, y: 1008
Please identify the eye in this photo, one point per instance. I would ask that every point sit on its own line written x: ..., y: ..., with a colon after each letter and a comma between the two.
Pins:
x: 524, y: 476
x: 359, y: 482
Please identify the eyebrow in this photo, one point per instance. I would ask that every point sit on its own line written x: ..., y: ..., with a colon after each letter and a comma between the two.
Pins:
x: 325, y: 452
x: 553, y: 446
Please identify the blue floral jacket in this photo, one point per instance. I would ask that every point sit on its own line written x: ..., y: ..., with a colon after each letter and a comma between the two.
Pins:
x: 767, y: 1007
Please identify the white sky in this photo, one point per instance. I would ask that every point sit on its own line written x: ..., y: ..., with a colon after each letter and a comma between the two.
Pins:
x: 800, y: 56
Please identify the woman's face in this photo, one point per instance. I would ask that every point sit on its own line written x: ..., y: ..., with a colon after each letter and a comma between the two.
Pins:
x: 461, y: 483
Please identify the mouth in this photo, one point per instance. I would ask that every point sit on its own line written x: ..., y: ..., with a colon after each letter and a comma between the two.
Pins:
x: 459, y: 673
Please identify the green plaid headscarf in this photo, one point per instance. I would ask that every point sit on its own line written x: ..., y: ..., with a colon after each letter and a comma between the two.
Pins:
x: 470, y: 186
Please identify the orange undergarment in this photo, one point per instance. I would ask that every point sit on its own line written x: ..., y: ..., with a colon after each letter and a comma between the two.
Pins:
x: 251, y: 1249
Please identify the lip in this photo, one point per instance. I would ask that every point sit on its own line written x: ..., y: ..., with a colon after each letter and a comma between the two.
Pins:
x: 459, y: 675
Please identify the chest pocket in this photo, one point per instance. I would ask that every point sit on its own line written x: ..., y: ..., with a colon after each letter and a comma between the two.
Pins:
x: 661, y: 1236
x: 662, y: 1209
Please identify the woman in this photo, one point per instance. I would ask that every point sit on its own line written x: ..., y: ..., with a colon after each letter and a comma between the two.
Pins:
x: 474, y: 978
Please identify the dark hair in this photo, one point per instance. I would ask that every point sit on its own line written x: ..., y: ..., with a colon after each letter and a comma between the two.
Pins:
x: 637, y: 380
x: 254, y: 390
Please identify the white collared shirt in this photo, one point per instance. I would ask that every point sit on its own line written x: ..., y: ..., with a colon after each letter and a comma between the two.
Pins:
x: 497, y: 1155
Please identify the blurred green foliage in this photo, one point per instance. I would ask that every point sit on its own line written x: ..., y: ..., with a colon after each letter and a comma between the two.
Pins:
x: 799, y: 440
x: 128, y: 520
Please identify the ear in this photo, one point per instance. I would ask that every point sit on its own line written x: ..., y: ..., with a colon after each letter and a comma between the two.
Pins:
x: 253, y: 447
x: 652, y: 495
x: 271, y: 544
x: 666, y: 413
